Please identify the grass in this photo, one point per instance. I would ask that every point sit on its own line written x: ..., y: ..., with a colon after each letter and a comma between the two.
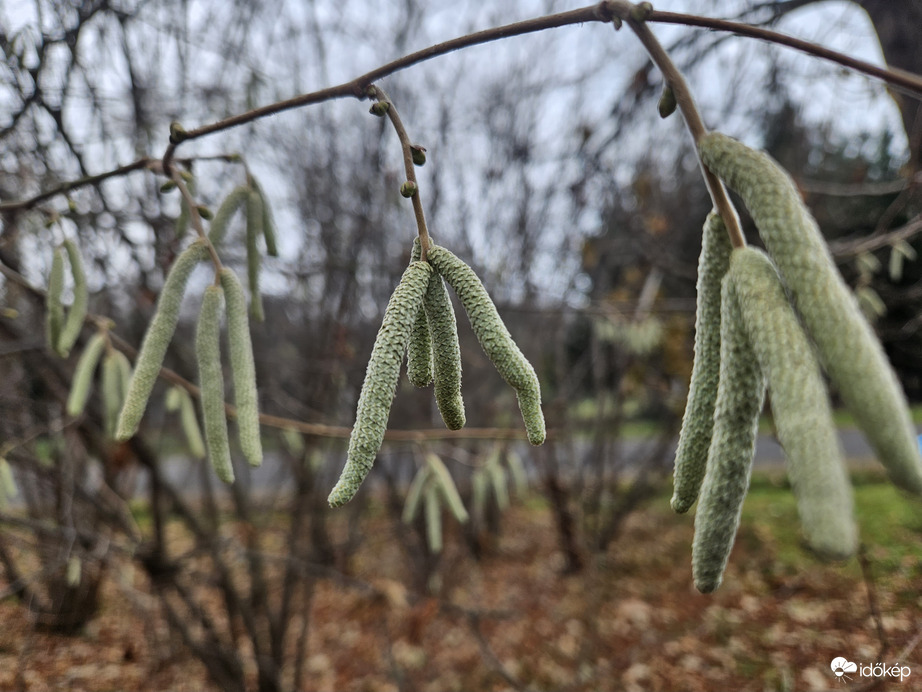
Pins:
x: 890, y: 522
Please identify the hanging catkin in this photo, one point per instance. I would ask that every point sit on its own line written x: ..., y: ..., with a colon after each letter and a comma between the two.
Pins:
x: 740, y: 394
x: 157, y: 339
x: 381, y: 379
x: 83, y: 374
x: 419, y: 350
x: 116, y: 373
x: 698, y: 422
x: 494, y: 338
x: 268, y: 222
x: 446, y: 353
x: 243, y: 368
x: 211, y: 381
x: 73, y: 323
x: 54, y: 309
x: 800, y: 405
x: 221, y: 221
x: 441, y: 329
x: 847, y: 347
x: 254, y: 258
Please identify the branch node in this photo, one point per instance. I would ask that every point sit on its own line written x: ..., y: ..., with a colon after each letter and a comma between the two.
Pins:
x: 641, y: 11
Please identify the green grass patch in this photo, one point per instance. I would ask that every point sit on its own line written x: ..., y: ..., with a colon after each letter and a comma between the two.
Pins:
x: 890, y: 521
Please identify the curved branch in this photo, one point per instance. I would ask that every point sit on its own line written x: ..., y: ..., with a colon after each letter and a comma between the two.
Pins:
x: 690, y: 113
x: 900, y: 79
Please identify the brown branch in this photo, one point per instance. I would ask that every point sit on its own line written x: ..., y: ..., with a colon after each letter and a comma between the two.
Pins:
x: 903, y: 80
x: 145, y: 163
x: 357, y: 87
x: 602, y: 12
x: 407, y: 146
x: 875, y: 242
x: 689, y: 110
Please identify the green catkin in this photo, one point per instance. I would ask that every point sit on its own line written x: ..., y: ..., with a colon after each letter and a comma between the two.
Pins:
x: 124, y: 373
x: 415, y: 493
x: 190, y: 427
x: 494, y: 338
x: 847, y: 347
x: 268, y: 223
x: 447, y: 488
x: 182, y: 221
x: 446, y: 354
x: 433, y: 518
x: 54, y: 310
x: 800, y: 405
x: 381, y: 379
x: 740, y: 394
x: 73, y: 323
x: 243, y: 368
x: 211, y: 381
x: 419, y: 350
x: 83, y: 374
x: 112, y: 392
x: 222, y: 218
x: 698, y: 422
x: 254, y: 230
x: 157, y: 339
x: 499, y: 481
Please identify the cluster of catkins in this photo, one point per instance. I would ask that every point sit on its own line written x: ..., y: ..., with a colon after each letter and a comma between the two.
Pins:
x: 126, y: 393
x: 419, y: 321
x: 773, y: 321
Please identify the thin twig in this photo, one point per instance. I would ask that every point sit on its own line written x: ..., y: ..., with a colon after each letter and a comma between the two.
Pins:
x: 357, y: 87
x: 145, y: 163
x: 196, y: 219
x: 849, y: 248
x: 689, y: 110
x: 901, y: 79
x: 407, y: 146
x: 601, y: 12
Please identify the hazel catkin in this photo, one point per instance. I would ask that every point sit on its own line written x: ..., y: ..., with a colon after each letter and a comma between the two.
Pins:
x: 381, y: 379
x: 83, y: 374
x: 740, y: 393
x: 494, y: 338
x: 54, y: 309
x: 211, y: 382
x: 221, y: 221
x: 442, y: 334
x: 243, y: 368
x: 157, y: 339
x: 419, y: 349
x: 799, y: 403
x: 254, y: 259
x: 847, y: 347
x: 698, y: 421
x: 73, y: 323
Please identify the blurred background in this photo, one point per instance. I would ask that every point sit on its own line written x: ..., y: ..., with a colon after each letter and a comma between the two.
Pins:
x: 128, y: 565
